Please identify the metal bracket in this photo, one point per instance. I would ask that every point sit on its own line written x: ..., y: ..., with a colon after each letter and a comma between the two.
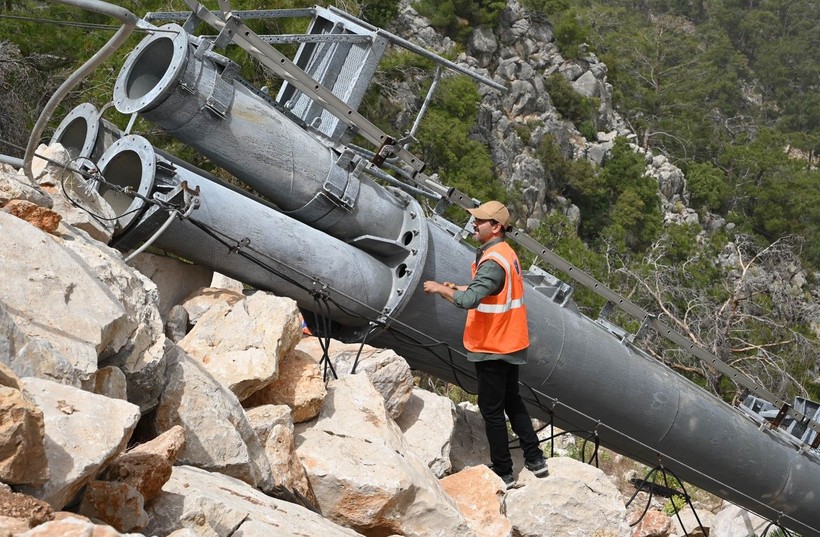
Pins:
x: 386, y: 150
x: 285, y: 68
x: 191, y: 23
x: 780, y: 415
x: 220, y: 97
x: 226, y: 34
x: 342, y: 188
x: 239, y: 245
x: 647, y: 322
x: 345, y: 158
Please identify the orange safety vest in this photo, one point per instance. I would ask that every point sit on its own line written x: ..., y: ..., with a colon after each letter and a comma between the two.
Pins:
x: 499, y: 324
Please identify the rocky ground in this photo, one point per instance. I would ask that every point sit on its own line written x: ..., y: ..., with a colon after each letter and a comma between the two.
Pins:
x: 156, y: 398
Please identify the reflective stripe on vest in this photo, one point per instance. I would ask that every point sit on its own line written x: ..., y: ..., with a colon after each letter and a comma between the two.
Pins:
x: 509, y: 303
x: 498, y: 325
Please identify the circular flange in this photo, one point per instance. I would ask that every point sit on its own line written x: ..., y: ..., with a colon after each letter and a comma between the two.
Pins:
x: 151, y: 70
x: 130, y: 162
x: 78, y: 131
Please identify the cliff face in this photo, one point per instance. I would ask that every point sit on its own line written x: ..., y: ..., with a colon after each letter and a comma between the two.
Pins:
x: 520, y: 53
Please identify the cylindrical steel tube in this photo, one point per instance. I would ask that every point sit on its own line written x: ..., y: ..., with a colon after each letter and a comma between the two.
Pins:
x: 588, y: 380
x: 578, y: 372
x: 271, y: 251
x: 84, y: 133
x: 197, y: 102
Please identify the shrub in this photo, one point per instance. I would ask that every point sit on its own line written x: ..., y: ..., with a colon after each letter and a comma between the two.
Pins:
x: 571, y: 105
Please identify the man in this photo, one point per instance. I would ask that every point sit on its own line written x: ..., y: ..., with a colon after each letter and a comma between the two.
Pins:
x: 496, y: 338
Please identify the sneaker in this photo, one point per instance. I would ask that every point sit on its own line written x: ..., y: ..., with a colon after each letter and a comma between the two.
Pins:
x: 538, y: 468
x: 509, y: 479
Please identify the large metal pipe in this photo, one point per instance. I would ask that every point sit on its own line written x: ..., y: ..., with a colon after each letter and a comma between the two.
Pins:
x: 84, y: 133
x: 578, y: 373
x: 172, y: 81
x: 241, y: 236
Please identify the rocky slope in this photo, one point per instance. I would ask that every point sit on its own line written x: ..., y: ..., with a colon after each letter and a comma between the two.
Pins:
x: 160, y: 399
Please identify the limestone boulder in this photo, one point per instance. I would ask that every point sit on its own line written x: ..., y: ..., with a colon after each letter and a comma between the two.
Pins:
x: 574, y: 500
x: 299, y: 385
x: 21, y: 511
x: 428, y: 423
x: 118, y: 504
x: 274, y: 428
x: 74, y: 197
x: 175, y: 279
x: 733, y: 521
x: 241, y: 344
x: 200, y: 301
x: 218, y: 435
x: 364, y: 474
x: 469, y: 446
x: 39, y: 217
x: 16, y: 186
x: 22, y: 435
x: 137, y: 341
x: 479, y: 496
x: 54, y: 296
x: 217, y: 505
x: 387, y: 371
x: 83, y: 433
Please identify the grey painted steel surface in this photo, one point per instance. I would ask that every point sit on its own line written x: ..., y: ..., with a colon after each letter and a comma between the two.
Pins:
x: 84, y: 133
x: 11, y: 161
x: 164, y: 81
x: 301, y: 254
x: 577, y: 372
x: 589, y: 381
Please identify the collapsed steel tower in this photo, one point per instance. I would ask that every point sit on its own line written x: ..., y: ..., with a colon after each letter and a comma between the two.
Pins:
x: 322, y: 227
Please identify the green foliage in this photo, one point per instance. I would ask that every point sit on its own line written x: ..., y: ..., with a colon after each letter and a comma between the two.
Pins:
x: 672, y: 82
x: 635, y: 220
x: 570, y: 30
x: 558, y: 233
x: 546, y: 7
x: 447, y: 148
x: 380, y: 13
x: 708, y: 187
x: 569, y: 103
x: 618, y: 202
x: 570, y: 33
x: 457, y: 18
x: 674, y: 504
x: 397, y: 68
x: 778, y: 194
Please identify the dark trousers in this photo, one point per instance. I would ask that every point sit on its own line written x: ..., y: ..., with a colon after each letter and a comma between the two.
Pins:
x: 497, y: 395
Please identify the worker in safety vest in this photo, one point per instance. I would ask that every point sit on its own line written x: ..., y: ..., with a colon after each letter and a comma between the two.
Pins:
x: 496, y: 338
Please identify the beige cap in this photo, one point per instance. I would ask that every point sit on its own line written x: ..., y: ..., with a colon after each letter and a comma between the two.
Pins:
x: 492, y: 210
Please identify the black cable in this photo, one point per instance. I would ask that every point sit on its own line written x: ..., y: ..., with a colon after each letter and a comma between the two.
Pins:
x: 71, y: 24
x: 685, y: 496
x: 324, y: 336
x: 786, y: 533
x: 373, y: 327
x: 594, y: 454
x: 648, y: 500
